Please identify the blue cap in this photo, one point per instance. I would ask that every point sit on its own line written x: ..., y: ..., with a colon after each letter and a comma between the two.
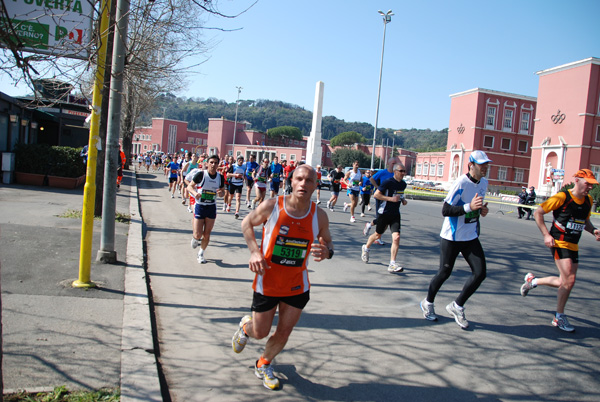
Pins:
x: 479, y: 157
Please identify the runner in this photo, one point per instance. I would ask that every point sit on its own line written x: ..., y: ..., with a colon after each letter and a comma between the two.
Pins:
x: 291, y: 224
x: 223, y: 169
x: 365, y: 192
x: 275, y: 176
x: 353, y: 179
x: 376, y: 181
x: 235, y: 175
x: 249, y: 168
x: 185, y: 170
x: 391, y: 195
x: 319, y: 175
x: 205, y: 187
x: 460, y: 235
x: 572, y: 210
x: 336, y: 176
x: 261, y: 176
x: 174, y: 170
x: 147, y: 162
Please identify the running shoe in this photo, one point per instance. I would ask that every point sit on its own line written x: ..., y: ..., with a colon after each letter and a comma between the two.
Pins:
x: 428, y: 311
x: 362, y: 214
x: 228, y: 209
x: 352, y: 219
x: 239, y: 340
x: 346, y: 206
x: 527, y: 286
x: 329, y: 204
x: 459, y: 315
x: 367, y: 228
x: 248, y: 204
x: 265, y: 373
x: 380, y: 242
x: 369, y: 207
x: 395, y: 268
x: 194, y: 242
x: 190, y: 210
x: 224, y: 206
x: 201, y: 259
x: 563, y: 323
x: 318, y: 202
x: 236, y: 215
x: 172, y: 195
x: 365, y: 253
x: 183, y: 202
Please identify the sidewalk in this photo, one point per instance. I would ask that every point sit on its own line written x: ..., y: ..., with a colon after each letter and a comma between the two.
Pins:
x: 54, y: 334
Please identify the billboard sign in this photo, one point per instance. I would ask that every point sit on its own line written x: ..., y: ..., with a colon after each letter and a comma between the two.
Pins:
x: 55, y: 27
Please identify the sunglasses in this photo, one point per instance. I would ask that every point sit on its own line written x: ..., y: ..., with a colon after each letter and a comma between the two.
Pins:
x: 401, y: 170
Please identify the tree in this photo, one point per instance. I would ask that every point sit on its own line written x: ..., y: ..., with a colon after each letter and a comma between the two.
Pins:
x: 348, y: 138
x: 346, y: 157
x: 285, y: 133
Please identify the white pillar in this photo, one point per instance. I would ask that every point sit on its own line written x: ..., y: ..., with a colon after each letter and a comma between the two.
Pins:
x: 313, y: 146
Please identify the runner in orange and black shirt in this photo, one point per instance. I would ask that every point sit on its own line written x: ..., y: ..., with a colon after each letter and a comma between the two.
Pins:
x: 571, y: 210
x: 291, y: 224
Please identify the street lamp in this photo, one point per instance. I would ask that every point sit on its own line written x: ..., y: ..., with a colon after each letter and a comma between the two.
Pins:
x: 237, y: 103
x: 387, y: 17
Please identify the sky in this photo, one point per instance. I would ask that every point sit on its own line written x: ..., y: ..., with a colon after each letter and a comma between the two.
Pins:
x: 280, y: 49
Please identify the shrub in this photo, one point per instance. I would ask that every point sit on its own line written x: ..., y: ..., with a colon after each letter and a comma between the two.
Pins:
x: 49, y: 160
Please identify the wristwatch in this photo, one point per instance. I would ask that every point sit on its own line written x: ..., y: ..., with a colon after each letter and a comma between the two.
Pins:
x: 330, y: 254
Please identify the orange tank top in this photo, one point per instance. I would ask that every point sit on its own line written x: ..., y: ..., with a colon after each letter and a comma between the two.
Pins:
x: 286, y: 244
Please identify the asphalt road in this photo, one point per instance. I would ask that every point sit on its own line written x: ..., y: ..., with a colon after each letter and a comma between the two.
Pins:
x: 362, y: 337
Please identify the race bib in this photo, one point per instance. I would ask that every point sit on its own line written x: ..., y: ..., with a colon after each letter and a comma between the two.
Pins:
x: 355, y: 182
x: 261, y: 179
x: 289, y: 251
x: 576, y: 225
x: 208, y: 196
x: 275, y: 175
x: 472, y: 217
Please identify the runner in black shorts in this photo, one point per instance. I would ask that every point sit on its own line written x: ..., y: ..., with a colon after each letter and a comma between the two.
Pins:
x: 391, y: 195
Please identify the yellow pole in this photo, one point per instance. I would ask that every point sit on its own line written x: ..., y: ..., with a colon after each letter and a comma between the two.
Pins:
x: 89, y: 192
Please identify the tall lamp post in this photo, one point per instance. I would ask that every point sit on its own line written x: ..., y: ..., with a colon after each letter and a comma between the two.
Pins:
x: 237, y: 103
x: 387, y: 17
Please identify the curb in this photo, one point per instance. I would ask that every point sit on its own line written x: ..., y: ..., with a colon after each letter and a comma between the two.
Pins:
x: 139, y: 371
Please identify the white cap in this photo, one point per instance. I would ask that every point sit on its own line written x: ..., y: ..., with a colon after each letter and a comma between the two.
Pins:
x: 479, y: 157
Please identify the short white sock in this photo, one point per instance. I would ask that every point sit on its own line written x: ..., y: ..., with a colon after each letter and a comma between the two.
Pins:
x: 392, y: 262
x: 534, y: 282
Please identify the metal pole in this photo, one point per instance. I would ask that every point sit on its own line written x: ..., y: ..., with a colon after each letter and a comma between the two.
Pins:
x: 107, y: 253
x: 237, y: 103
x: 386, y: 18
x: 89, y: 190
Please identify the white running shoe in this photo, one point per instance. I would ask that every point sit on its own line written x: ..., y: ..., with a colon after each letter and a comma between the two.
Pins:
x: 224, y: 207
x: 190, y: 210
x: 428, y: 310
x: 201, y: 259
x: 346, y: 206
x: 352, y: 219
x: 228, y: 209
x: 172, y: 195
x: 380, y: 242
x: 459, y: 315
x: 367, y: 228
x: 252, y: 204
x: 395, y: 268
x: 239, y: 340
x: 365, y: 253
x: 369, y: 207
x: 266, y: 374
x: 362, y: 214
x: 318, y: 202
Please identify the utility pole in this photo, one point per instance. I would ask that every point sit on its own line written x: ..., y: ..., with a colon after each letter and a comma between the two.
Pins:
x: 237, y: 103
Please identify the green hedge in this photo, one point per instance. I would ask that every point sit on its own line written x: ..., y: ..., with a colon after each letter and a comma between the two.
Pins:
x: 49, y: 160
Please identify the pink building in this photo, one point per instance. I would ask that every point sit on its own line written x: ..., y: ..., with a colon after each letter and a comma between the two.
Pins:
x: 168, y: 136
x: 501, y: 124
x: 567, y: 128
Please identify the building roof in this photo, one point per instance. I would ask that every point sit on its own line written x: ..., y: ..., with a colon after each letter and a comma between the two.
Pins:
x: 492, y: 92
x: 590, y: 60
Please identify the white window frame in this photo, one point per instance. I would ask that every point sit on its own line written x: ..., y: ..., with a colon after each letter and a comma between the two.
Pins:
x: 212, y: 151
x: 519, y: 175
x: 526, y: 146
x: 493, y: 140
x: 237, y: 153
x: 328, y: 154
x: 507, y: 122
x: 292, y: 157
x: 425, y: 169
x: 440, y: 169
x: 595, y: 170
x: 491, y: 115
x: 282, y: 157
x: 419, y: 169
x: 525, y: 119
x: 502, y: 173
x: 502, y: 144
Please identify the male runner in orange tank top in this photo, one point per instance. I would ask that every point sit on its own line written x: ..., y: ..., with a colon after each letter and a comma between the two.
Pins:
x: 291, y: 224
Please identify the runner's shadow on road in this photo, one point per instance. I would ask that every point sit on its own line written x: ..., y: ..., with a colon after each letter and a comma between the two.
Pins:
x: 377, y: 391
x: 221, y: 264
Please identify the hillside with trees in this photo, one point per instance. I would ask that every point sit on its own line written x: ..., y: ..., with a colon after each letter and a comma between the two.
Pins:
x: 267, y: 114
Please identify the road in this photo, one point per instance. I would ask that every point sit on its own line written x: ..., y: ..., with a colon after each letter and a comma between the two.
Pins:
x: 362, y: 337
